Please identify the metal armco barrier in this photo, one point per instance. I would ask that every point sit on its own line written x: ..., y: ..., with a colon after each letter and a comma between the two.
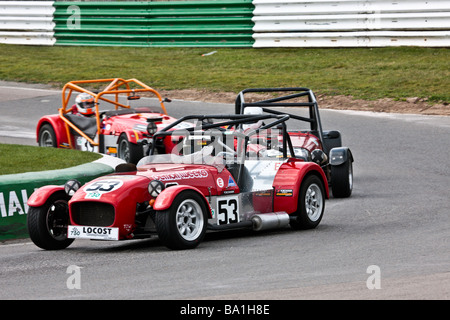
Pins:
x: 351, y: 23
x: 15, y: 189
x: 227, y: 23
x: 155, y: 24
x: 27, y: 22
x: 354, y: 39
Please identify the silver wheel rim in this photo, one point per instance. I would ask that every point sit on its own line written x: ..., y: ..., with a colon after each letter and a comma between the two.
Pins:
x: 314, y: 202
x: 124, y: 151
x: 189, y: 219
x: 46, y: 139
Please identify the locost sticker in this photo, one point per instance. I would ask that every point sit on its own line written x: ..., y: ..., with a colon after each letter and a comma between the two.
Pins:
x: 96, y: 233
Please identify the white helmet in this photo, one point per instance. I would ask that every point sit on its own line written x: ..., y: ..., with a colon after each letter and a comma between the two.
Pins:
x: 85, y: 104
x: 254, y: 111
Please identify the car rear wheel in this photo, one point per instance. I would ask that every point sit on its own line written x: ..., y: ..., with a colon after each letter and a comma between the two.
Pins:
x: 47, y: 224
x: 183, y: 225
x: 342, y: 179
x: 311, y: 204
x: 128, y: 151
x: 47, y: 137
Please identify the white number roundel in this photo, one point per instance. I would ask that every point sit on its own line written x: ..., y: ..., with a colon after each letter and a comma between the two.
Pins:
x: 103, y: 186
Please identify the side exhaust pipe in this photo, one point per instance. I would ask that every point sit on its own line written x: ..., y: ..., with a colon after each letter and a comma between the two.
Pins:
x: 268, y: 221
x: 258, y: 222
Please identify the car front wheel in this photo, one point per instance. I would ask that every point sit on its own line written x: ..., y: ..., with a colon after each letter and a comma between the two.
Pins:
x: 47, y: 137
x: 128, y: 151
x: 342, y: 179
x: 183, y: 225
x: 47, y: 224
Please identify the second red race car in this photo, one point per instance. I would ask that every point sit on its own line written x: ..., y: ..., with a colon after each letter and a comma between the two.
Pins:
x: 117, y: 129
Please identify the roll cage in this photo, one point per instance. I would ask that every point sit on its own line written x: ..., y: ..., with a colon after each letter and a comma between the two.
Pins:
x: 293, y: 99
x: 230, y: 125
x: 113, y: 86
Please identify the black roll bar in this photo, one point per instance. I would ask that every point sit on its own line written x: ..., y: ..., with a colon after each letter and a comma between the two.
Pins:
x: 283, y: 101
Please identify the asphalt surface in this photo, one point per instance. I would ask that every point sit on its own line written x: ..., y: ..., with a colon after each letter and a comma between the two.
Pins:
x: 389, y: 240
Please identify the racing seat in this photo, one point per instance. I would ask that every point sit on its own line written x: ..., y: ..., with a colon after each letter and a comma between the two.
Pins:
x: 86, y: 124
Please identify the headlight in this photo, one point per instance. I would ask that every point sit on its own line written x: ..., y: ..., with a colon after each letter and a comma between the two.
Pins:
x: 151, y: 128
x: 71, y: 186
x: 155, y: 187
x: 319, y: 157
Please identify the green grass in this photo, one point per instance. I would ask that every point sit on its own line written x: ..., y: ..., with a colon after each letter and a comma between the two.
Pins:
x: 19, y: 159
x: 364, y: 73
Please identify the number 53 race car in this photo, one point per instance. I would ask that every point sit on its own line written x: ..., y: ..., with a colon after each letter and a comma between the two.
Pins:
x: 211, y: 180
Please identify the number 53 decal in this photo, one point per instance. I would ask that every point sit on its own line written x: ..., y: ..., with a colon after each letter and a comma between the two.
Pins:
x: 95, y: 189
x: 228, y: 210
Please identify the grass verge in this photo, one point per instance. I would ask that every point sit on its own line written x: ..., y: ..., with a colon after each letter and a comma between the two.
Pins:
x: 18, y: 159
x: 364, y: 73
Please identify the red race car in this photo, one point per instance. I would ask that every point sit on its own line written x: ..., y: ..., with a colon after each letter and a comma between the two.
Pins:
x: 117, y: 130
x: 212, y: 180
x: 309, y: 140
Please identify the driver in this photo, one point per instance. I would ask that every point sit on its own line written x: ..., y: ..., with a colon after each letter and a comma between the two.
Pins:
x: 253, y: 111
x: 84, y: 105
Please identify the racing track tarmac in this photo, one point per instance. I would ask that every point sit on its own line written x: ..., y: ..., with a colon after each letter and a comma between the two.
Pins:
x: 395, y: 223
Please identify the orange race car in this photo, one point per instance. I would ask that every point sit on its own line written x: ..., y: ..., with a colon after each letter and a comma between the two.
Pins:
x: 122, y: 130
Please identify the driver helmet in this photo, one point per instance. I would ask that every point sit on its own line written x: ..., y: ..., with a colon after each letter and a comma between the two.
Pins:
x: 253, y: 111
x: 85, y: 104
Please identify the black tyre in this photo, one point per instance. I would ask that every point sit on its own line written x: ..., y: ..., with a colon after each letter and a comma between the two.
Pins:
x: 47, y: 225
x: 47, y: 136
x: 311, y: 204
x: 128, y: 151
x: 183, y: 225
x: 342, y: 179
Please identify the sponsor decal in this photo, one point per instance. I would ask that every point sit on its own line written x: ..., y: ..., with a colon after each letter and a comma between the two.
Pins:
x: 231, y: 182
x: 284, y: 193
x: 111, y: 150
x: 263, y: 194
x: 182, y: 175
x: 220, y: 182
x: 86, y: 232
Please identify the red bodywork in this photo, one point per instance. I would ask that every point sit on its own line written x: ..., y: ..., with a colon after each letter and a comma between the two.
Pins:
x: 124, y: 191
x: 113, y: 126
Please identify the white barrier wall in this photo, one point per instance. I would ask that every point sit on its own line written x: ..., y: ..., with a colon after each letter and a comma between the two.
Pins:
x: 351, y: 23
x: 285, y: 23
x: 27, y: 22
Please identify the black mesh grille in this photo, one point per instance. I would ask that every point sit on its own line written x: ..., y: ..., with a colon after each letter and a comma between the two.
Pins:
x: 93, y: 214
